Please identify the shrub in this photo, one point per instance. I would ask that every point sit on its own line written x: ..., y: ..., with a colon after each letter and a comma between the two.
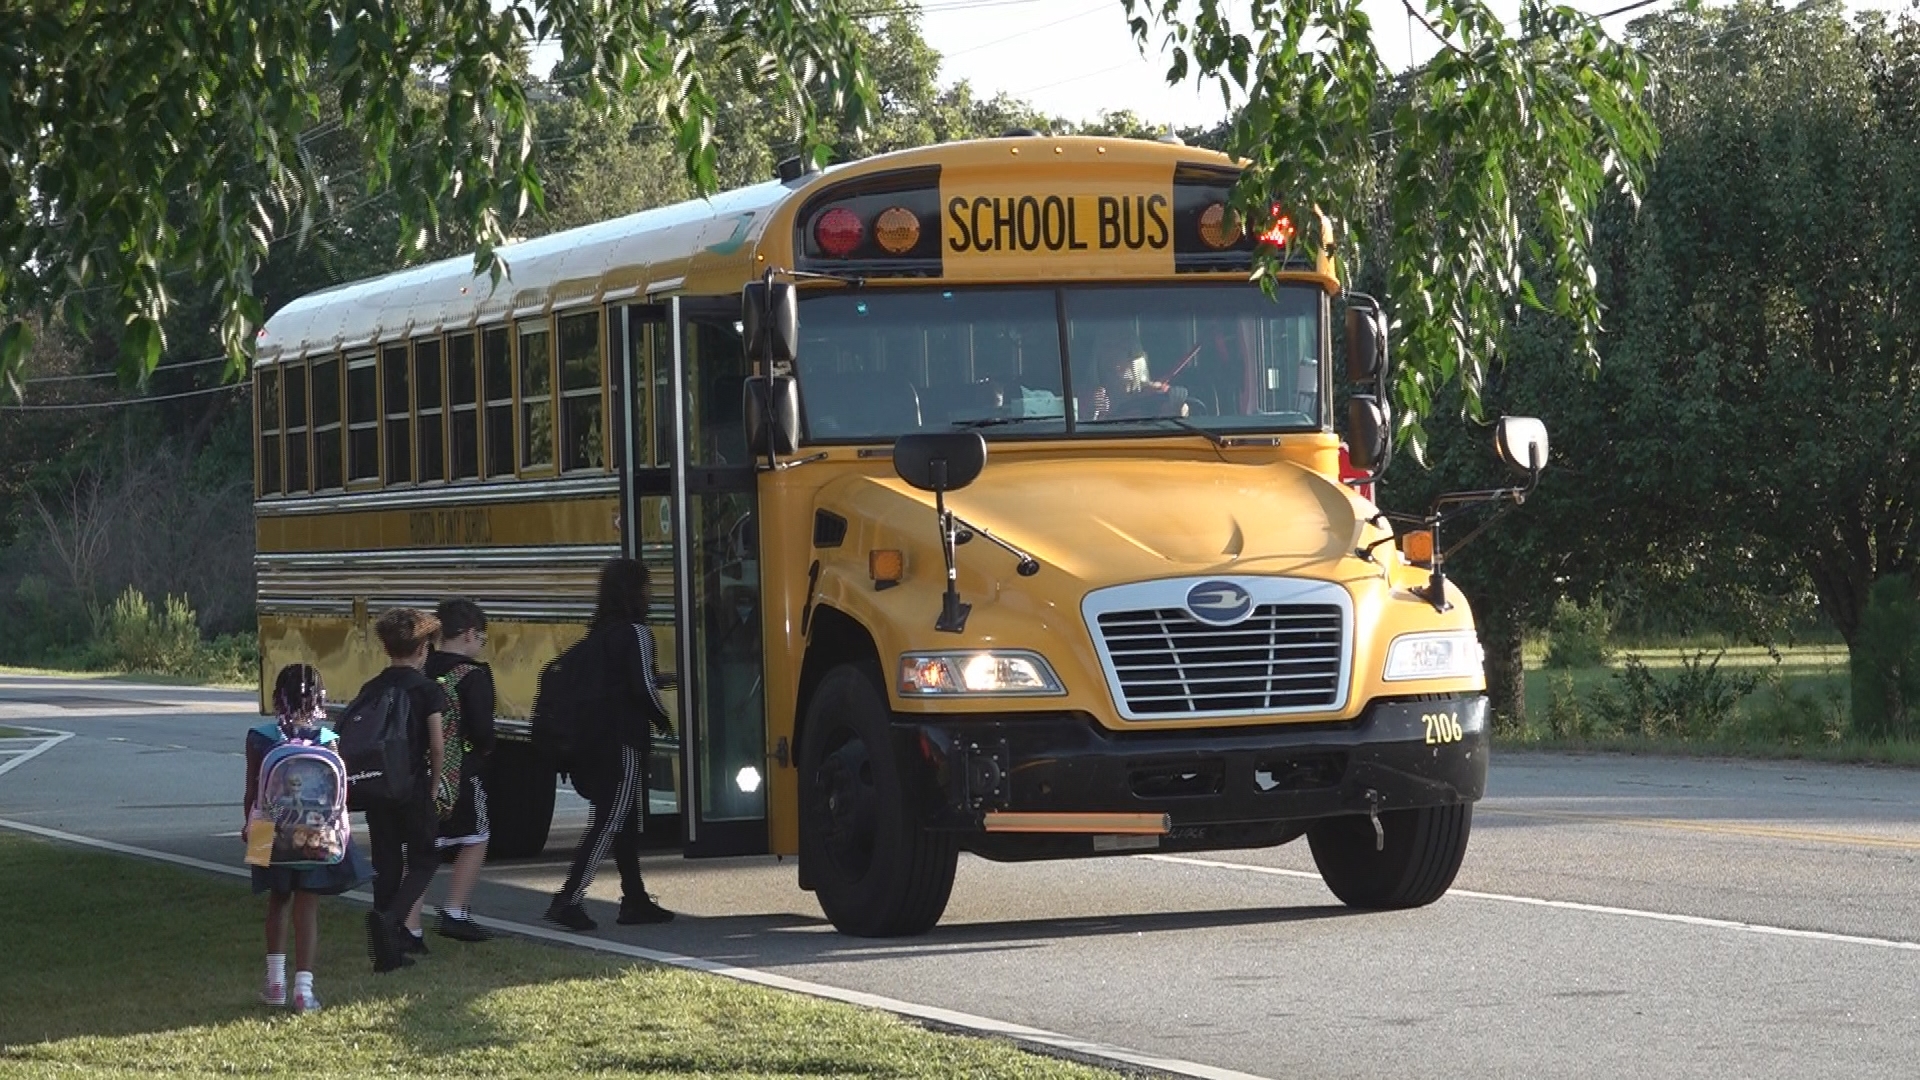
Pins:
x: 135, y: 636
x: 1884, y: 662
x: 1696, y: 702
x: 1577, y: 636
x: 1565, y: 718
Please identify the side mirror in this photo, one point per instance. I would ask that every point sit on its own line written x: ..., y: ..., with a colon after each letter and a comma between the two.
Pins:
x: 771, y: 412
x: 1521, y: 442
x: 1367, y: 433
x: 770, y: 321
x: 941, y: 461
x: 1366, y: 342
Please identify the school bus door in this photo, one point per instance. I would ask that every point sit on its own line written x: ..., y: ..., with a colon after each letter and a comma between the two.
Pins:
x: 716, y: 547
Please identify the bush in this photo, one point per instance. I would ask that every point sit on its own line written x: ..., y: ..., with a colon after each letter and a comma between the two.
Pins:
x: 1565, y: 718
x: 135, y: 636
x: 1696, y: 702
x: 1884, y: 662
x: 1577, y: 637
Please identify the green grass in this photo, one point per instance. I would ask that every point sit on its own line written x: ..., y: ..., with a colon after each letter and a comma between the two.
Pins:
x: 119, y: 967
x: 1798, y: 710
x: 14, y: 733
x: 129, y: 676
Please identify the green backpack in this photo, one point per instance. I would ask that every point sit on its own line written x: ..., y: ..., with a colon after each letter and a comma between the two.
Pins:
x: 446, y: 787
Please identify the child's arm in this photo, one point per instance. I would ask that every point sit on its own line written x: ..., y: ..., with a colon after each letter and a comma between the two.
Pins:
x: 254, y: 757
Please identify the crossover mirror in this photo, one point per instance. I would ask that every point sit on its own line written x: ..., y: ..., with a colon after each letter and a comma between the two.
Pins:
x: 1521, y: 442
x: 945, y: 461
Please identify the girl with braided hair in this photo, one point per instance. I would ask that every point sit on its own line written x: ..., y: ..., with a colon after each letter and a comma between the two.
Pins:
x: 299, y: 707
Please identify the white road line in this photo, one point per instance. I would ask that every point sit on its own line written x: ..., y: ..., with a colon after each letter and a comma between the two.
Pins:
x: 1039, y: 1039
x: 55, y: 738
x: 1591, y: 909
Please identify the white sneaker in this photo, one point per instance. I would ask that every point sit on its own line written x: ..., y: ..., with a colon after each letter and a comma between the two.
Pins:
x: 273, y: 993
x: 305, y: 1002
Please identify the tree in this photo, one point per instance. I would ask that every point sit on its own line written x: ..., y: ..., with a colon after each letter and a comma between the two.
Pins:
x: 1545, y: 120
x: 1772, y: 334
x: 180, y: 140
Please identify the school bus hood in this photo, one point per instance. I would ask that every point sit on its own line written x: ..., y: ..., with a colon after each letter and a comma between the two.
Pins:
x: 1105, y: 521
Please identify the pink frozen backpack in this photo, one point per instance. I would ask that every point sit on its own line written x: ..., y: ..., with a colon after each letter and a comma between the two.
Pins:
x: 299, y: 818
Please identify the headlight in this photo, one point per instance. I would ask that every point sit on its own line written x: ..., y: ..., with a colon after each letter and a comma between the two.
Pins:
x: 999, y: 672
x: 1447, y: 655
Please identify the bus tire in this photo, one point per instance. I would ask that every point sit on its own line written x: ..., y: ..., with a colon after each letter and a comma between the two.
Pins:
x: 1422, y: 853
x: 876, y: 870
x: 519, y: 801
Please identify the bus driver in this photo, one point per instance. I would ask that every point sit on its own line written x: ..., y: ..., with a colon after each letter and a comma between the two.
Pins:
x: 1125, y: 390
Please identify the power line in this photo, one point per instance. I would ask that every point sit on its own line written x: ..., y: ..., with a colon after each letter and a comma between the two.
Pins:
x: 113, y: 374
x: 1101, y: 6
x: 118, y: 402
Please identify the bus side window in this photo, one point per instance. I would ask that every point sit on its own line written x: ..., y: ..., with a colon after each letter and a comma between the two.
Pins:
x: 463, y: 408
x: 497, y: 384
x: 294, y: 384
x: 582, y: 435
x: 326, y: 423
x: 428, y: 388
x: 396, y: 405
x: 267, y: 398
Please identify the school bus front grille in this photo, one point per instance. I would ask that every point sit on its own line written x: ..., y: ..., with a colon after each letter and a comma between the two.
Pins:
x: 1282, y: 657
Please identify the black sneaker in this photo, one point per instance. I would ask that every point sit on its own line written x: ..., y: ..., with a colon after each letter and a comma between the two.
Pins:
x: 462, y: 929
x: 571, y: 916
x: 412, y: 943
x: 642, y: 910
x: 381, y: 946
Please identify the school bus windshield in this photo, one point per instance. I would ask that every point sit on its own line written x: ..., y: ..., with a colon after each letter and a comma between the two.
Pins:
x: 874, y: 365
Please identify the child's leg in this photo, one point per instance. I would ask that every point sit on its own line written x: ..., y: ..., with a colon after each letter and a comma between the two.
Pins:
x: 466, y: 872
x: 306, y: 930
x: 277, y: 923
x: 413, y: 917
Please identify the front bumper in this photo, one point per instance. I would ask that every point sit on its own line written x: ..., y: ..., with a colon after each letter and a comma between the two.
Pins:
x: 1220, y: 788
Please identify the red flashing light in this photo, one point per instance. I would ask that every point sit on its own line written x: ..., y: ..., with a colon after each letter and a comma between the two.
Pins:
x: 1280, y: 233
x: 839, y: 231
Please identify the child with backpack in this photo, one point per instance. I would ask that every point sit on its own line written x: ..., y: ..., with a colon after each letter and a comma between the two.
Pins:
x: 300, y: 843
x: 615, y: 666
x: 391, y: 741
x: 460, y: 794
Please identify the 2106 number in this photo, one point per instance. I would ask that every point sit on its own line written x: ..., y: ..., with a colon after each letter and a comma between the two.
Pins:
x: 1442, y: 728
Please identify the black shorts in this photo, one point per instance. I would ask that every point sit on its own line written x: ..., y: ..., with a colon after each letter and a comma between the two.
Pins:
x: 467, y: 824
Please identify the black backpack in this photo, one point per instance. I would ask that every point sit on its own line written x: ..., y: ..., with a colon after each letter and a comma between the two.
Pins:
x: 376, y: 745
x: 569, y: 705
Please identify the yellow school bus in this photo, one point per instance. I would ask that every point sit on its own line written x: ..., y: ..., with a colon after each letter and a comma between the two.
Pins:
x: 989, y: 507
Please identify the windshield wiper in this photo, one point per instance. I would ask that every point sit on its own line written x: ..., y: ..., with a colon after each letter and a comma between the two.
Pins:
x: 996, y: 421
x: 1180, y: 422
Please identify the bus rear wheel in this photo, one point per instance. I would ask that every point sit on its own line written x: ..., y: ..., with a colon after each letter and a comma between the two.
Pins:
x: 519, y: 801
x: 875, y: 869
x: 1414, y: 866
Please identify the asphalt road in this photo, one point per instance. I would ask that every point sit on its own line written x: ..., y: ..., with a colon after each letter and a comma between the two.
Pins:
x: 1616, y: 917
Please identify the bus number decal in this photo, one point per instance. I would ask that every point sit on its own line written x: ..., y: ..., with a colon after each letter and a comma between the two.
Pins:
x: 444, y: 528
x: 1442, y: 728
x: 1058, y: 223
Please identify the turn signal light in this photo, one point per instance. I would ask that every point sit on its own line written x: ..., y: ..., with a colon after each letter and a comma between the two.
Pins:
x: 886, y: 566
x: 897, y: 230
x: 1280, y: 233
x: 1417, y: 546
x: 1217, y: 229
x: 839, y: 231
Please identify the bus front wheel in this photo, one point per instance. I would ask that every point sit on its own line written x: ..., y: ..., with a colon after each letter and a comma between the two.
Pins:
x: 875, y: 869
x: 519, y: 801
x: 1409, y: 863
